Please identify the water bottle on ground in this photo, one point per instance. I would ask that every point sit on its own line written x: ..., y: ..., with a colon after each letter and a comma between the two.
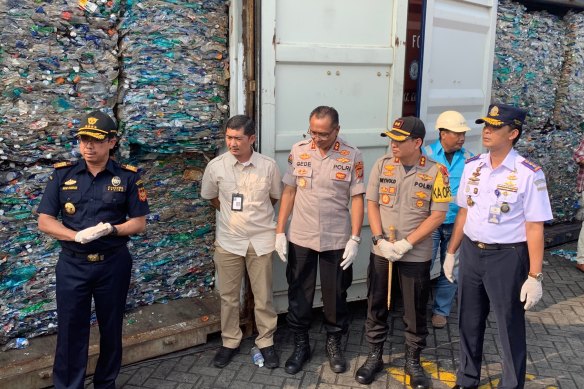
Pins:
x: 257, y: 356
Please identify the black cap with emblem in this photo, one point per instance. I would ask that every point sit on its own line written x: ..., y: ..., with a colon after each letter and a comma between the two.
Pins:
x: 98, y: 125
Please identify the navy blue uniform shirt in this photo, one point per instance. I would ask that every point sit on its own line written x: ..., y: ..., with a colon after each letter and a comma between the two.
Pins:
x: 83, y: 200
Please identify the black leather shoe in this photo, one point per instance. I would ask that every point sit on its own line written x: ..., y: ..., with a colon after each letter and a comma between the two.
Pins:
x: 224, y: 355
x: 334, y: 353
x: 374, y: 364
x: 464, y: 387
x: 271, y: 360
x: 300, y: 355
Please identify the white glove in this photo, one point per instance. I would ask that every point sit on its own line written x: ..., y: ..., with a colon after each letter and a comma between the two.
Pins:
x: 450, y: 262
x: 401, y: 247
x: 387, y: 250
x: 531, y: 292
x: 92, y: 233
x: 350, y: 253
x: 282, y: 246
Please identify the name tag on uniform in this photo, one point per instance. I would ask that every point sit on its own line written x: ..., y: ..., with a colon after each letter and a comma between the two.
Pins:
x: 495, y: 214
x: 237, y: 202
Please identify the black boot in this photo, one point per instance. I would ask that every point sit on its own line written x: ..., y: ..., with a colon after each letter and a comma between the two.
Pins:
x: 418, y: 378
x: 374, y: 364
x: 334, y: 353
x: 300, y: 355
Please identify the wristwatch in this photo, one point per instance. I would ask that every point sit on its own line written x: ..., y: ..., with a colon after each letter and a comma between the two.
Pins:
x: 356, y: 238
x: 114, y: 231
x: 376, y: 239
x: 537, y: 276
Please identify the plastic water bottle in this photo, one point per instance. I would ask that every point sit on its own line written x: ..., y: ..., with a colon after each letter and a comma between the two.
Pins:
x: 257, y: 356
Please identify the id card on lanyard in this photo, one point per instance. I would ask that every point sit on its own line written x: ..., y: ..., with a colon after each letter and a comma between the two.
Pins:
x: 237, y: 202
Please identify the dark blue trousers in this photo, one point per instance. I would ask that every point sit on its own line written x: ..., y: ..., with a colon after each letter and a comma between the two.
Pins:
x: 492, y: 278
x: 334, y: 281
x: 78, y: 281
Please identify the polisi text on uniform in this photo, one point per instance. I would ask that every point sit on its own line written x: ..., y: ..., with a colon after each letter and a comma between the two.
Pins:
x: 342, y: 167
x: 422, y: 185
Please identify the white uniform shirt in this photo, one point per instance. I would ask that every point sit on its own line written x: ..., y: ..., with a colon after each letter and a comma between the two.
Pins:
x: 258, y: 181
x: 517, y: 182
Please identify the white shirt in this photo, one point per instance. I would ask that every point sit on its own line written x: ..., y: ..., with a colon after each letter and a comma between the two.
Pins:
x: 517, y: 182
x: 257, y: 182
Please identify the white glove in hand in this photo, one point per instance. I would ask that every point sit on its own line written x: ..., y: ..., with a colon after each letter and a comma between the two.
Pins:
x: 449, y: 263
x: 531, y: 292
x: 387, y: 250
x: 401, y: 247
x: 92, y: 233
x: 282, y: 246
x: 350, y: 253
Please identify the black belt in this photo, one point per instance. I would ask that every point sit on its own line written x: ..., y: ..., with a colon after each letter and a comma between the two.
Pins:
x: 91, y: 257
x: 497, y: 246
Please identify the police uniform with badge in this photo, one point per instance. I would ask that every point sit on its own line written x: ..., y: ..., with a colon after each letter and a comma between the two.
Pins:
x: 323, y: 183
x: 92, y: 206
x: 504, y: 202
x: 411, y: 199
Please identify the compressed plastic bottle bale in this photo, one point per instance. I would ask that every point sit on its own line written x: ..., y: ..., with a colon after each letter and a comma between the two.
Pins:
x: 552, y: 150
x: 174, y: 257
x: 528, y: 54
x: 175, y: 75
x: 27, y: 257
x: 57, y: 61
x: 569, y: 109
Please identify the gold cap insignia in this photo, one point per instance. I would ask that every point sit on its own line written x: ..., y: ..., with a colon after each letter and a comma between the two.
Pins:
x: 494, y: 111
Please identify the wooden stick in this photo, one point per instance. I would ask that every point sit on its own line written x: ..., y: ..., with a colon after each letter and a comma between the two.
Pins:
x: 392, y: 239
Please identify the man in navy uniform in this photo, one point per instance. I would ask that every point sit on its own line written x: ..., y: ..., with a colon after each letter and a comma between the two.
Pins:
x: 503, y: 203
x: 100, y: 203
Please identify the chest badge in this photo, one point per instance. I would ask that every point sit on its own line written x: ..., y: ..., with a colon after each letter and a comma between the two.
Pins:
x: 302, y: 182
x: 70, y: 208
x: 116, y: 181
x: 70, y: 182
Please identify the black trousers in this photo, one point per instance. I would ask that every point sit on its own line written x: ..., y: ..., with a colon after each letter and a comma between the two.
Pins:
x: 414, y: 282
x: 492, y: 278
x: 78, y: 281
x: 334, y: 281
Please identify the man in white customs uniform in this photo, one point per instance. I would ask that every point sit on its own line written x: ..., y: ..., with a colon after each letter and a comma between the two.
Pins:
x: 324, y: 178
x: 242, y: 186
x: 503, y: 203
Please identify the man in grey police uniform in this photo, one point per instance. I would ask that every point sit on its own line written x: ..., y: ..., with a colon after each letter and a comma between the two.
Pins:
x: 503, y: 203
x: 409, y: 192
x: 324, y: 175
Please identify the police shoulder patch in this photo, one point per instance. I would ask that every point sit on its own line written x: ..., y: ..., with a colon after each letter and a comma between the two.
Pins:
x: 129, y: 167
x: 530, y: 165
x: 63, y: 164
x: 473, y: 158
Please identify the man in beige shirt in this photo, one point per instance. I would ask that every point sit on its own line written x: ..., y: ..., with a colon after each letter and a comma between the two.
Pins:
x: 324, y: 179
x: 243, y: 185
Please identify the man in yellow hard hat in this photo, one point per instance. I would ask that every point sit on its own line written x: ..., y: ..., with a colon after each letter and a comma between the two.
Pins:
x: 448, y: 151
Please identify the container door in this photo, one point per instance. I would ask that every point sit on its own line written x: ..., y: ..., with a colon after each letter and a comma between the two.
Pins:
x: 342, y: 53
x: 457, y: 67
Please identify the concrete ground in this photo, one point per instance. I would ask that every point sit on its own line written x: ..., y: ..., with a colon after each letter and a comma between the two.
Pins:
x: 555, y: 331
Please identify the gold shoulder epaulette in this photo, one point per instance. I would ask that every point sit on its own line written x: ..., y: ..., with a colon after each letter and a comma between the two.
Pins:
x: 63, y: 164
x: 130, y: 168
x: 530, y: 165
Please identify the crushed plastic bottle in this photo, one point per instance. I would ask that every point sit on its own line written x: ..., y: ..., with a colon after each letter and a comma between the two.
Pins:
x: 17, y: 343
x: 257, y: 357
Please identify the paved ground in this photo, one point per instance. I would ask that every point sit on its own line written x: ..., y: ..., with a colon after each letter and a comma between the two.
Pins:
x: 555, y: 350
